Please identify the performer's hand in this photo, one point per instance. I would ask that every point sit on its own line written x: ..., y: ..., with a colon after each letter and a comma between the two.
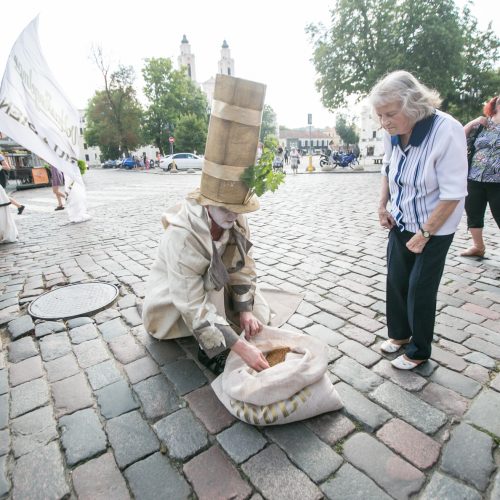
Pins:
x: 250, y: 324
x: 252, y: 356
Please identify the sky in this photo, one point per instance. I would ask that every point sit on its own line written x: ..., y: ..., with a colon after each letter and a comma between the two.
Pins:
x: 267, y: 40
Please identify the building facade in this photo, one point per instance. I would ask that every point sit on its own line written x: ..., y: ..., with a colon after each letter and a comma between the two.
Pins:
x: 318, y: 140
x: 371, y: 137
x: 91, y: 154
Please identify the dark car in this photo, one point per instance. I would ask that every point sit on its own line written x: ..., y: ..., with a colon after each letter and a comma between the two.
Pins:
x: 111, y: 164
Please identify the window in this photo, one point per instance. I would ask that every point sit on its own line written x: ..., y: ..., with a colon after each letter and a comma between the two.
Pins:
x: 374, y: 136
x: 229, y: 71
x: 87, y: 158
x: 81, y: 131
x: 84, y: 146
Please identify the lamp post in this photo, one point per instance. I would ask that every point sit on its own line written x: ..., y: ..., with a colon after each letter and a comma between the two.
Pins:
x: 310, y: 167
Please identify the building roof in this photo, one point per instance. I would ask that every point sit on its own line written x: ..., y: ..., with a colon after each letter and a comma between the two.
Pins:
x: 303, y: 132
x: 225, y: 45
x: 184, y: 39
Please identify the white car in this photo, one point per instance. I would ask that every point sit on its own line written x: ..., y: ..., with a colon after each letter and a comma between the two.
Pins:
x: 183, y: 161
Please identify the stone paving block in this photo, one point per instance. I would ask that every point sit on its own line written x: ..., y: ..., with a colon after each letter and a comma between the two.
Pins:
x: 275, y: 477
x: 82, y: 436
x: 456, y: 382
x: 71, y: 394
x: 157, y: 396
x: 488, y: 348
x: 154, y: 478
x: 131, y: 438
x: 478, y: 373
x: 83, y: 333
x: 4, y: 480
x: 33, y: 430
x: 453, y: 347
x: 131, y: 316
x: 336, y: 309
x: 91, y: 353
x: 22, y: 349
x: 483, y: 333
x: 307, y: 309
x: 444, y: 487
x: 4, y: 382
x: 445, y: 399
x: 141, y: 369
x: 328, y: 320
x: 103, y: 374
x: 495, y: 383
x: 241, y: 441
x: 182, y: 434
x: 4, y: 442
x: 409, y: 407
x: 112, y: 329
x: 61, y: 368
x: 393, y: 474
x: 100, y: 479
x: 364, y: 355
x: 408, y: 380
x: 54, y: 346
x: 125, y: 349
x: 357, y: 375
x: 106, y: 315
x: 331, y: 427
x: 369, y: 324
x: 306, y: 450
x: 162, y: 351
x: 413, y: 445
x: 371, y: 415
x: 484, y: 412
x: 27, y: 397
x: 426, y: 369
x: 468, y: 456
x: 127, y: 301
x: 24, y: 371
x: 20, y: 327
x: 205, y: 471
x: 495, y: 492
x: 80, y: 321
x: 43, y: 468
x: 299, y: 321
x: 325, y: 334
x: 448, y: 359
x: 357, y: 334
x: 349, y: 483
x: 185, y: 375
x: 480, y: 359
x: 48, y: 327
x: 115, y: 399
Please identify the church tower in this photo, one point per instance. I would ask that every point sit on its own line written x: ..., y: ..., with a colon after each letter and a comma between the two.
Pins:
x: 187, y: 59
x: 226, y: 64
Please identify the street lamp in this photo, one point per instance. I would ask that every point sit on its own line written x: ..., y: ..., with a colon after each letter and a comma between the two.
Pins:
x: 310, y: 167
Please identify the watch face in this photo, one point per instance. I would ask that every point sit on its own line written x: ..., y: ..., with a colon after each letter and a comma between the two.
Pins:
x: 426, y: 234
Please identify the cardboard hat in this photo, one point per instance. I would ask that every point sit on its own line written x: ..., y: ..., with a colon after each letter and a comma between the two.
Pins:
x: 233, y: 137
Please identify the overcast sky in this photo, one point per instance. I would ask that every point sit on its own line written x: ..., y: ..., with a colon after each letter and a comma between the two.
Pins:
x: 266, y: 38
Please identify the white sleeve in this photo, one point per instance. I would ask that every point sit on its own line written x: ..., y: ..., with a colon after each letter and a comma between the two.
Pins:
x: 386, y: 160
x: 451, y: 163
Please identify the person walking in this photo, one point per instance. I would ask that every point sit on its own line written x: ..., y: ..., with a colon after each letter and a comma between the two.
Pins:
x: 294, y: 160
x: 483, y: 182
x: 57, y: 181
x: 5, y: 168
x: 424, y: 176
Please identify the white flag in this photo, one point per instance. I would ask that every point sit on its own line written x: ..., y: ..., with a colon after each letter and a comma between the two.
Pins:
x: 34, y: 110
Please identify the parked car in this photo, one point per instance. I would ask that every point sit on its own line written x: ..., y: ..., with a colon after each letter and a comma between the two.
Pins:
x: 111, y: 164
x: 183, y: 161
x: 128, y: 163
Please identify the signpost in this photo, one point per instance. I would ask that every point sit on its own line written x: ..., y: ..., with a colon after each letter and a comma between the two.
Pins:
x: 310, y: 167
x: 172, y: 140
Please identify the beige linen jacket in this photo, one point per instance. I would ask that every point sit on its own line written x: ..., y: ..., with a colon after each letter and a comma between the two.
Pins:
x: 187, y: 271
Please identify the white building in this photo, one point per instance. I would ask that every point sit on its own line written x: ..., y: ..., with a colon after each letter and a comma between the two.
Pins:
x: 91, y: 154
x: 371, y: 138
x: 186, y: 59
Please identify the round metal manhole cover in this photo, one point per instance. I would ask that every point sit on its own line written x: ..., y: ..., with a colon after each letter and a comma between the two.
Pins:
x: 73, y: 300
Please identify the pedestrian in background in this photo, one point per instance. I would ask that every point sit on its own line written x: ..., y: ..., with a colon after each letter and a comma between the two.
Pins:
x: 483, y: 182
x: 294, y: 160
x: 5, y: 168
x: 57, y: 181
x: 425, y: 179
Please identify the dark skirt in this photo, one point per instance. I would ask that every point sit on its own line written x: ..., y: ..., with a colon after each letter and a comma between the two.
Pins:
x: 57, y: 177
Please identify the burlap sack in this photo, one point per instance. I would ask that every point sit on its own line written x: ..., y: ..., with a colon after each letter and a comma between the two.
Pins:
x: 296, y: 389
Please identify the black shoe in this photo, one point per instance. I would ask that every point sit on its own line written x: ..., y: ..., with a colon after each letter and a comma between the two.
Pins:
x: 59, y: 208
x: 20, y: 210
x: 216, y: 364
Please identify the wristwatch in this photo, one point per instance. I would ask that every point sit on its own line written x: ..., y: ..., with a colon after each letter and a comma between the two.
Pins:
x: 425, y: 233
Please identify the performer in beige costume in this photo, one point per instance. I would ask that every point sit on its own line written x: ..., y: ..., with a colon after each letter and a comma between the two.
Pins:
x: 204, y: 278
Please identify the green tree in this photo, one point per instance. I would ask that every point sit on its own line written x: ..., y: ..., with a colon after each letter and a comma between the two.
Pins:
x: 430, y: 38
x: 347, y: 132
x: 269, y: 124
x: 171, y: 95
x: 191, y: 133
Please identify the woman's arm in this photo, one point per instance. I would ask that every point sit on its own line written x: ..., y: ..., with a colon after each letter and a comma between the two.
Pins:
x: 481, y: 120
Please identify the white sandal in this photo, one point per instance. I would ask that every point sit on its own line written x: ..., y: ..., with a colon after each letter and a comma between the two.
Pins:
x: 390, y: 347
x: 403, y: 363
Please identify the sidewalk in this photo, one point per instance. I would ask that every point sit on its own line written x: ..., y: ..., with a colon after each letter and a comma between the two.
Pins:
x: 96, y: 408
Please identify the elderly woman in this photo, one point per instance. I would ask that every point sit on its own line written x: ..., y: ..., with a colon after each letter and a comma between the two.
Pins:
x: 425, y: 180
x: 483, y: 184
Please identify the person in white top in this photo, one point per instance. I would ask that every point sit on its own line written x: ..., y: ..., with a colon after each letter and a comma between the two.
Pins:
x: 425, y: 180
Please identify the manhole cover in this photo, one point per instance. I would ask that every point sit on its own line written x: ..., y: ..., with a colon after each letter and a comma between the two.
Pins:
x: 73, y: 300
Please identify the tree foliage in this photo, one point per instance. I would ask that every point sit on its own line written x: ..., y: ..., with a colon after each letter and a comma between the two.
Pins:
x: 441, y: 46
x: 173, y: 99
x: 347, y: 132
x: 269, y: 124
x: 191, y: 133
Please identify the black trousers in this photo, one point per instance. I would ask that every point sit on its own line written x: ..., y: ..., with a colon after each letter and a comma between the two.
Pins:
x: 479, y: 195
x: 412, y: 286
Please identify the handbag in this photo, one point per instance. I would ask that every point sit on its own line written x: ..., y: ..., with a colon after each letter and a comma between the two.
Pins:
x: 471, y: 144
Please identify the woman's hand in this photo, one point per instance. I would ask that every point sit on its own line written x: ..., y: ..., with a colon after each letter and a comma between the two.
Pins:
x: 417, y: 243
x: 252, y: 356
x: 386, y: 219
x: 250, y: 324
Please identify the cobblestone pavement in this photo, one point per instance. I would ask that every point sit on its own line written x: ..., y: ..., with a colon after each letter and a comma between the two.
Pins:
x: 95, y: 408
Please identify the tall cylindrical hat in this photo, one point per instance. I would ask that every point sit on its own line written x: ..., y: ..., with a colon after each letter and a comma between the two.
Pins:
x: 233, y: 136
